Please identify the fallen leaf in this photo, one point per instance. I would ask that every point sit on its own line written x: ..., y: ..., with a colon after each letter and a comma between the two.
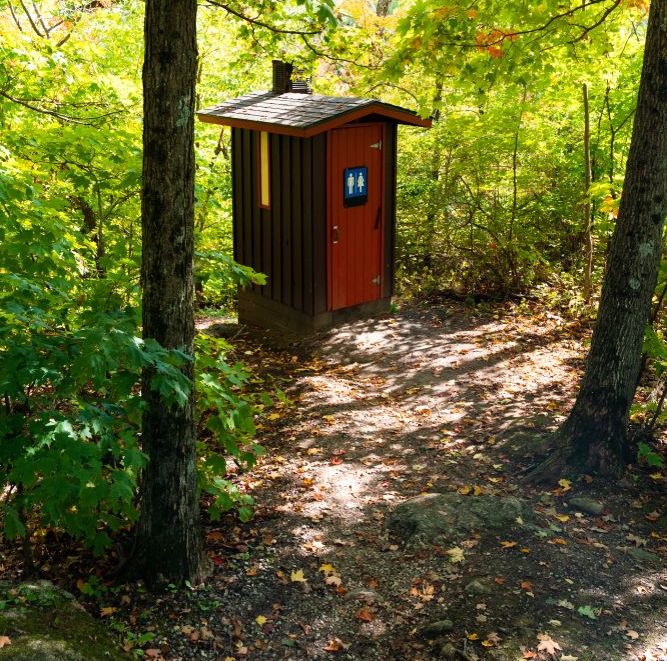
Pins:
x: 632, y: 634
x: 107, y: 611
x: 653, y: 516
x: 456, y: 554
x: 326, y: 568
x: 568, y: 657
x: 365, y: 614
x: 335, y: 645
x: 464, y: 491
x: 508, y: 545
x: 547, y: 644
x: 261, y: 620
x: 297, y: 576
x: 563, y: 518
x: 566, y: 484
x: 5, y: 640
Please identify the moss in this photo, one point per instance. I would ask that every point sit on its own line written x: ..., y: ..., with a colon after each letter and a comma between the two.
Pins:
x: 47, y: 624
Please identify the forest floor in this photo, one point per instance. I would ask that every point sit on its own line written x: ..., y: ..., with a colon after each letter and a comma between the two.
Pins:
x: 446, y: 399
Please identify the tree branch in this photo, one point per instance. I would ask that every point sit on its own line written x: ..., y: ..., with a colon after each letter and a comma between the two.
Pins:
x: 83, y: 121
x: 256, y: 21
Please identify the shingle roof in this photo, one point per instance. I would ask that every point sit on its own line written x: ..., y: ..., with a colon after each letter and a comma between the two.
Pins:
x: 301, y: 114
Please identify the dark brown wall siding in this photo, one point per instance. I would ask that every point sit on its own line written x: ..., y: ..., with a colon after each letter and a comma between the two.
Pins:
x: 287, y: 242
x: 389, y: 209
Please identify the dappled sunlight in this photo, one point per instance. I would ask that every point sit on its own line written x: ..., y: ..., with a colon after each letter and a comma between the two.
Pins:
x: 389, y: 409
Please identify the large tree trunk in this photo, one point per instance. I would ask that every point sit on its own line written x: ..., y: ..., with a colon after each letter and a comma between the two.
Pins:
x: 168, y: 543
x: 594, y: 436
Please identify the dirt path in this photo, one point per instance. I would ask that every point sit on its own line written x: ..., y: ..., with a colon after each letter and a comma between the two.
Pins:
x: 445, y: 400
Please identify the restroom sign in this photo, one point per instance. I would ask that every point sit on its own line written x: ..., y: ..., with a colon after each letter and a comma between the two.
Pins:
x: 355, y: 186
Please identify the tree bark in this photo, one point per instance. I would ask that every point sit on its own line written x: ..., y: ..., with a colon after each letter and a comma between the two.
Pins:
x: 588, y: 229
x: 168, y: 546
x: 594, y: 436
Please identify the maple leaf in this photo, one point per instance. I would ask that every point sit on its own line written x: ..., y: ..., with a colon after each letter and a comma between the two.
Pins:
x: 333, y: 580
x: 335, y: 645
x: 565, y: 484
x: 508, y: 545
x: 547, y: 644
x: 297, y: 576
x: 365, y: 614
x: 456, y: 554
x: 327, y: 568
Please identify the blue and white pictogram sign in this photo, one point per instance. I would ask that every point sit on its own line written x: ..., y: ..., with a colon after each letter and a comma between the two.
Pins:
x: 355, y: 185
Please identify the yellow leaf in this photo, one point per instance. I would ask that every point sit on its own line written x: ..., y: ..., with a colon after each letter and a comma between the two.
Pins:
x: 261, y: 620
x: 297, y: 576
x: 477, y: 491
x: 563, y: 518
x: 464, y: 491
x: 107, y: 610
x: 508, y: 545
x: 456, y: 554
x: 566, y: 484
x: 327, y: 568
x: 473, y: 636
x: 273, y: 416
x: 487, y: 643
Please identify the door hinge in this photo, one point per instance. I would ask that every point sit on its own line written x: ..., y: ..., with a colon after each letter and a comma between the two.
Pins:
x: 376, y: 280
x: 377, y: 145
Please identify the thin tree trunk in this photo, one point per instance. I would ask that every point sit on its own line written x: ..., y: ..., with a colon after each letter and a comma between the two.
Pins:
x: 588, y: 233
x: 168, y: 546
x: 594, y: 436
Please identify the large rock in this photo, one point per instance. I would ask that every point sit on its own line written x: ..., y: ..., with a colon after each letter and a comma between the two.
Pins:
x: 47, y: 624
x: 447, y: 517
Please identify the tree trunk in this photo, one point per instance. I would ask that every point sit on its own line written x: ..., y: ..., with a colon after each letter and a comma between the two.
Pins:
x: 594, y: 436
x: 168, y: 545
x: 588, y: 230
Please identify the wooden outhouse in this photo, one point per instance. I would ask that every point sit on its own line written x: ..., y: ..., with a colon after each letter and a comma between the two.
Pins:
x: 313, y: 202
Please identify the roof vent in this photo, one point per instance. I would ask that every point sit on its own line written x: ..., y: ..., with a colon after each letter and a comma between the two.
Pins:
x: 282, y: 80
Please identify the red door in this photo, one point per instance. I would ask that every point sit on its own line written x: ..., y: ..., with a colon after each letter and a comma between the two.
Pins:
x: 355, y: 215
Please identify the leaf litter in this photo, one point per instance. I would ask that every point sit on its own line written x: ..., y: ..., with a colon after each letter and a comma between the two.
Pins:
x: 445, y: 399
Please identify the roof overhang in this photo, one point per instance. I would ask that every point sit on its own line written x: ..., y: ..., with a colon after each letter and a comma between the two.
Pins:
x: 257, y: 112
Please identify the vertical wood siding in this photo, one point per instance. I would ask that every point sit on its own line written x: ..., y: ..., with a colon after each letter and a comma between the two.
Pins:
x: 287, y: 242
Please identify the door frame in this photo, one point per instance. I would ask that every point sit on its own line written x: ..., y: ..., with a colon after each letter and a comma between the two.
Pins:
x: 330, y: 204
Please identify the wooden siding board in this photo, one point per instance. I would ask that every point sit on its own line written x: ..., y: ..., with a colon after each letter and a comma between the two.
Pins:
x: 296, y: 146
x: 255, y: 215
x: 286, y: 220
x: 319, y: 170
x: 237, y: 191
x: 244, y: 236
x: 276, y: 219
x: 307, y: 225
x: 389, y: 210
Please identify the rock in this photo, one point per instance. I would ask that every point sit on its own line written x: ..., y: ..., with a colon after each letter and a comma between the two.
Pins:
x: 479, y: 586
x: 586, y: 505
x: 641, y: 555
x: 363, y: 594
x: 445, y: 517
x: 50, y: 625
x: 448, y: 652
x: 437, y: 629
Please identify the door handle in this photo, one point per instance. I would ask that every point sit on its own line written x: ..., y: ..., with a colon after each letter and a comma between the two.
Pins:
x: 378, y: 217
x: 335, y: 234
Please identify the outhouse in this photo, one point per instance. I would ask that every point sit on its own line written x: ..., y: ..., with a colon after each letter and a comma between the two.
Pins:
x: 314, y: 182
